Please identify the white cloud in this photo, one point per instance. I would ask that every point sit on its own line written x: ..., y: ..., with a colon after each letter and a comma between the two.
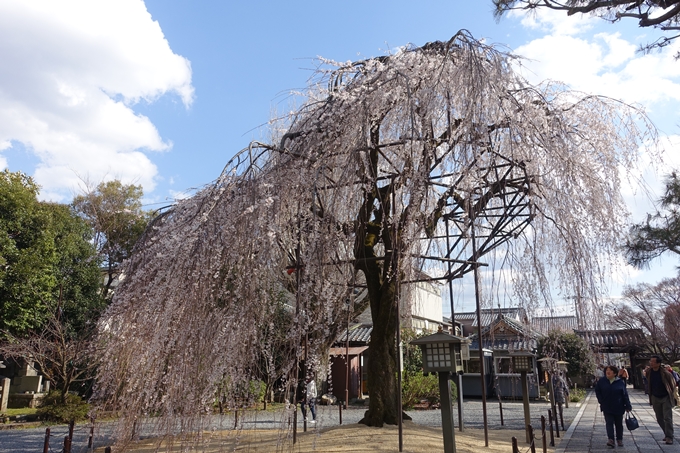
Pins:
x: 554, y: 22
x: 603, y: 63
x: 72, y: 70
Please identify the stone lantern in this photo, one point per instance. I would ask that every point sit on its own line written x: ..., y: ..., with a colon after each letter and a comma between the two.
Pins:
x: 442, y: 355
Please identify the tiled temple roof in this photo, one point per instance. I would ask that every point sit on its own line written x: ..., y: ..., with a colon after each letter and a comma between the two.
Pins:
x: 488, y: 315
x: 545, y: 324
x: 357, y: 334
x: 613, y: 340
x: 523, y: 337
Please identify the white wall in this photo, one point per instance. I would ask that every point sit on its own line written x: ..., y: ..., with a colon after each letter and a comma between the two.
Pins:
x: 426, y: 302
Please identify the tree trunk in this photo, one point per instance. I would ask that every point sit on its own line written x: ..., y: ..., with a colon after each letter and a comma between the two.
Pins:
x: 382, y: 363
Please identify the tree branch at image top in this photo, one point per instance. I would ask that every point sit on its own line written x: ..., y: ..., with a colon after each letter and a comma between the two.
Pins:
x: 663, y: 15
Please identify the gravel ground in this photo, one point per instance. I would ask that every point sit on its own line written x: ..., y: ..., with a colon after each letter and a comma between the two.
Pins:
x: 32, y: 440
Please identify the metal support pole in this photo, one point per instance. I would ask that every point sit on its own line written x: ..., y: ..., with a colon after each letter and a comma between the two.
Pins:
x: 298, y: 273
x: 396, y: 259
x: 448, y: 428
x: 553, y: 406
x: 525, y: 400
x: 459, y: 387
x: 500, y: 409
x: 552, y: 436
x: 400, y: 411
x: 478, y: 302
x: 347, y: 362
x: 340, y: 411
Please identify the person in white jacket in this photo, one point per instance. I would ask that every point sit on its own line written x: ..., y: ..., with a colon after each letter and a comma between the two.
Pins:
x: 308, y: 400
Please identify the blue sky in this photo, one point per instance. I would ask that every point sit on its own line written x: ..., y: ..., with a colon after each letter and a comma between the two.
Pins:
x: 162, y: 93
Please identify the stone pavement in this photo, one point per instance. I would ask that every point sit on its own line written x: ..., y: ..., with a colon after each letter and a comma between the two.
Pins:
x: 587, y: 432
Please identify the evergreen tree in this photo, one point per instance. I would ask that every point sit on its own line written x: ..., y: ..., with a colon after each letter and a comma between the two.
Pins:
x: 660, y: 232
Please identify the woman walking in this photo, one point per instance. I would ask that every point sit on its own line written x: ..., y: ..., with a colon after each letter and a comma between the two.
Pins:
x: 614, y: 402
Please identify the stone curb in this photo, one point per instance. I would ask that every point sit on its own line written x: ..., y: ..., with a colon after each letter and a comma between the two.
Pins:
x: 561, y: 448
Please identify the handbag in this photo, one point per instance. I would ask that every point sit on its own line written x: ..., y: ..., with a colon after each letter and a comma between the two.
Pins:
x: 631, y: 422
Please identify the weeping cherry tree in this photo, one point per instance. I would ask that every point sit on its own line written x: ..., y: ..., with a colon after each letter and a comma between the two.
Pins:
x: 358, y: 190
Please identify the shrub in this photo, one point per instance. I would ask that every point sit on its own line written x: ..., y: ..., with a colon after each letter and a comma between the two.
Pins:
x: 576, y: 395
x: 417, y: 387
x: 257, y: 389
x: 54, y: 410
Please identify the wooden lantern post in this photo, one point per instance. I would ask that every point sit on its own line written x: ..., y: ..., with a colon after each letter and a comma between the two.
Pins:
x: 523, y: 362
x: 442, y: 355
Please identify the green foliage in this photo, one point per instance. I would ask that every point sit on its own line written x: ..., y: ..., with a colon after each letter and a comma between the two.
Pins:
x: 576, y: 395
x: 114, y: 211
x: 54, y: 409
x: 413, y: 356
x: 77, y: 268
x: 44, y: 250
x: 257, y: 389
x: 12, y: 412
x: 570, y: 348
x: 660, y: 232
x: 26, y: 254
x: 417, y: 387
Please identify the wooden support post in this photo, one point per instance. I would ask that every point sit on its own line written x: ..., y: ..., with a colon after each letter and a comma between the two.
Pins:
x: 459, y: 389
x: 107, y: 450
x: 448, y: 427
x: 525, y: 400
x: 500, y: 409
x: 67, y: 445
x: 552, y: 436
x: 90, y: 439
x: 46, y: 445
x: 515, y: 448
x: 295, y: 425
x: 543, y: 438
x: 71, y: 425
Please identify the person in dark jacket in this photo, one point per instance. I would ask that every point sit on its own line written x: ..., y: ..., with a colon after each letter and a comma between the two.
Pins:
x: 614, y: 402
x: 661, y: 395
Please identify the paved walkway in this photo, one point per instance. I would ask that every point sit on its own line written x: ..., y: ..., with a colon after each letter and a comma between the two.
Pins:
x: 587, y: 432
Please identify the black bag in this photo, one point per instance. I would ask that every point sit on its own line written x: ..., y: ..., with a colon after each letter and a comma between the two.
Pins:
x: 631, y: 422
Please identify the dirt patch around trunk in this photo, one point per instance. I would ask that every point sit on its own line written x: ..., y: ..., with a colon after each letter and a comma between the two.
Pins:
x: 345, y: 438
